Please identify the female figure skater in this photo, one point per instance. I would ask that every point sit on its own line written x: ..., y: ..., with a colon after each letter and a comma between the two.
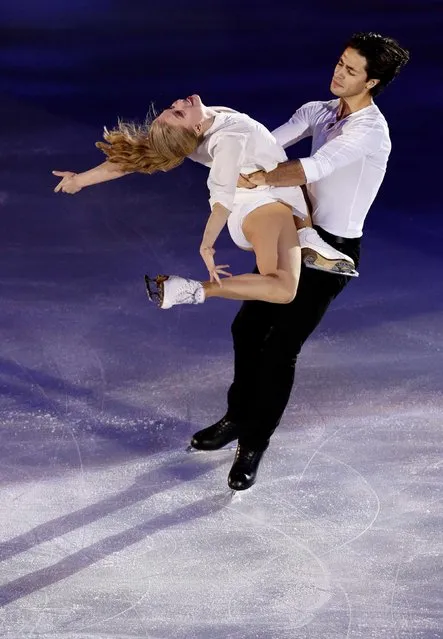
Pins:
x: 259, y: 219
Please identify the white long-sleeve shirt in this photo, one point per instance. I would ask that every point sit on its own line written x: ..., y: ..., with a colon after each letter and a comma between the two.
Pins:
x: 234, y: 144
x: 347, y: 163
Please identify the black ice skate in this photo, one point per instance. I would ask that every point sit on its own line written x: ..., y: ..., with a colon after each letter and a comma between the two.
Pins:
x: 215, y: 436
x: 244, y: 469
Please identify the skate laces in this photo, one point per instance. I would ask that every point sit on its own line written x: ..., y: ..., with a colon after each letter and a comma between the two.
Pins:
x: 316, y: 240
x: 189, y: 291
x: 224, y: 423
x: 246, y: 455
x: 313, y: 240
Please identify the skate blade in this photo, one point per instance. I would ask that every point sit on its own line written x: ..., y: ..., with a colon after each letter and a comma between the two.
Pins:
x: 336, y: 267
x: 191, y: 449
x: 236, y: 495
x: 155, y: 289
x: 334, y: 271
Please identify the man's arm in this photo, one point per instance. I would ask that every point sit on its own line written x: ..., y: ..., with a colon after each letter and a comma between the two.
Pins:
x: 290, y: 173
x: 354, y: 143
x: 297, y: 127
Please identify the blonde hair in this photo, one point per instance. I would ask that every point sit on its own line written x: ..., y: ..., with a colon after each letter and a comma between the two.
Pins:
x: 148, y: 147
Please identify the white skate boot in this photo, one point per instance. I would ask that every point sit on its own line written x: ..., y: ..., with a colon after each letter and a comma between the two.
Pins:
x: 316, y: 253
x: 168, y: 290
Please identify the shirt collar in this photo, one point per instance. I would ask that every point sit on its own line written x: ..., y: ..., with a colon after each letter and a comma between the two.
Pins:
x: 354, y: 113
x: 219, y: 118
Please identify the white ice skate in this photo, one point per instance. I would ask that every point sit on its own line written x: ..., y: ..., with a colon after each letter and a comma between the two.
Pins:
x: 317, y: 254
x: 168, y: 290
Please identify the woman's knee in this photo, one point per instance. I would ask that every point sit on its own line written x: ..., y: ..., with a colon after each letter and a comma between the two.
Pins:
x: 285, y: 288
x: 292, y: 289
x: 288, y: 295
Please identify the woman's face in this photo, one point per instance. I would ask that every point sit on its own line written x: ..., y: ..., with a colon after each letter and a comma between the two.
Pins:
x: 186, y: 112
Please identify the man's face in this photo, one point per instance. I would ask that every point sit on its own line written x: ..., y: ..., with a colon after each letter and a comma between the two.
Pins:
x: 350, y: 77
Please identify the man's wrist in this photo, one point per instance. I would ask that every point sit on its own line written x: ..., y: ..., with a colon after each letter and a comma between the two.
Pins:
x: 289, y: 173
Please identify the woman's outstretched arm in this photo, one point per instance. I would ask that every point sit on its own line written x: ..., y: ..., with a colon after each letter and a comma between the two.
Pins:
x: 74, y: 182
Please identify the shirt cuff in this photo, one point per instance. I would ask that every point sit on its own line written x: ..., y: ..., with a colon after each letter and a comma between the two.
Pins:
x: 225, y: 200
x: 310, y: 168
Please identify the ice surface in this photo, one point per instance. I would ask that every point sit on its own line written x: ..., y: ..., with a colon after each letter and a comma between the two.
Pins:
x: 108, y: 528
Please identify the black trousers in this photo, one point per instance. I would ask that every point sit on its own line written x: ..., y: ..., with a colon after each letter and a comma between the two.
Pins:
x: 267, y: 340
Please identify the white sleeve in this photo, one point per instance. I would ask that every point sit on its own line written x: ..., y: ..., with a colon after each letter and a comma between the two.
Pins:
x: 228, y: 154
x: 298, y: 127
x: 355, y: 141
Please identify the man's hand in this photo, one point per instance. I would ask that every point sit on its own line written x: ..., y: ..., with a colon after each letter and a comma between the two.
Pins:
x: 68, y: 184
x: 258, y: 178
x: 244, y: 183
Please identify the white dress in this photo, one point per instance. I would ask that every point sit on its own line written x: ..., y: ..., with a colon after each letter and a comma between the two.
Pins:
x: 234, y: 144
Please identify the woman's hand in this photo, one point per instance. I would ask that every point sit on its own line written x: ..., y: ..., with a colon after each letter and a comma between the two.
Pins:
x: 207, y: 253
x: 69, y: 182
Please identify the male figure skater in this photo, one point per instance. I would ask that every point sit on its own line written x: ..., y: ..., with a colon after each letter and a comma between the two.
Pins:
x: 350, y: 149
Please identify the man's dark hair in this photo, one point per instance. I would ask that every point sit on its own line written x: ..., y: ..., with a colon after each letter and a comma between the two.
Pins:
x: 384, y: 57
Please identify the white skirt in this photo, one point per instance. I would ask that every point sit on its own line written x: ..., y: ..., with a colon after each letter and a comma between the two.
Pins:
x: 247, y: 200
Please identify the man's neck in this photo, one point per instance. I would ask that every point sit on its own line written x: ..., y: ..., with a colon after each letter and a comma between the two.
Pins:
x: 353, y: 104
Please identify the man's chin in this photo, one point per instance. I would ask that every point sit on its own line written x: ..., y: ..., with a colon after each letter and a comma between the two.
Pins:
x: 337, y: 91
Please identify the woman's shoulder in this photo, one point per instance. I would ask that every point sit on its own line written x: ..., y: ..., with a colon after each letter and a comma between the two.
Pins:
x: 231, y: 121
x: 223, y: 109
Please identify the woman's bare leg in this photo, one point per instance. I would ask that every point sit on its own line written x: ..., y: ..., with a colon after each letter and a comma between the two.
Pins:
x: 300, y: 223
x: 271, y: 231
x: 304, y: 223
